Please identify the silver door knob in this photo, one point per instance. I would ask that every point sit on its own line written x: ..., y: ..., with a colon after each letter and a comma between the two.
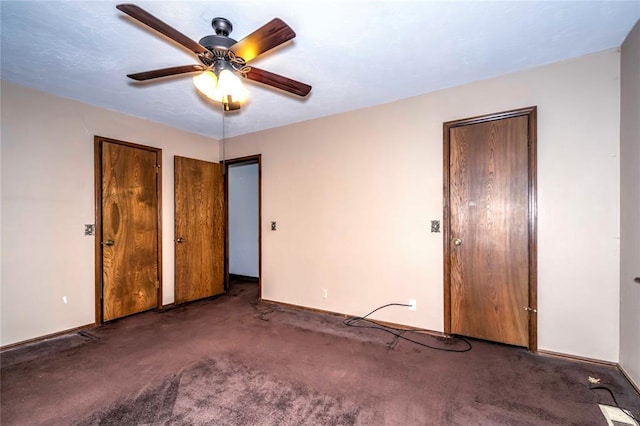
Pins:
x: 108, y: 243
x: 457, y: 242
x: 179, y: 240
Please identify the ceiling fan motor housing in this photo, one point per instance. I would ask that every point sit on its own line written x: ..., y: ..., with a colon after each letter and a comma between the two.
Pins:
x: 220, y: 40
x: 217, y: 42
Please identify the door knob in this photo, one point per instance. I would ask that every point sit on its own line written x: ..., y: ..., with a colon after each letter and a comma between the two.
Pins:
x: 457, y: 242
x: 179, y: 240
x: 108, y: 243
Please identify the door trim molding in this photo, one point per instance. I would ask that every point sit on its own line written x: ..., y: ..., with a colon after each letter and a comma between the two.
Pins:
x: 531, y: 114
x: 250, y: 159
x: 97, y: 173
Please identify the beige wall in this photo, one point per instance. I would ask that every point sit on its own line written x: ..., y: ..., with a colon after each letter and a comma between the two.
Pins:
x: 630, y: 206
x: 353, y: 195
x: 48, y: 196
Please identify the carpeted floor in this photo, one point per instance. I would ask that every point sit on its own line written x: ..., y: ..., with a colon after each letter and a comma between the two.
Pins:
x: 234, y: 361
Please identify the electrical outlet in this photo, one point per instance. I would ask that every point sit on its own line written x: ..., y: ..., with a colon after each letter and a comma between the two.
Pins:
x: 325, y: 294
x: 412, y: 304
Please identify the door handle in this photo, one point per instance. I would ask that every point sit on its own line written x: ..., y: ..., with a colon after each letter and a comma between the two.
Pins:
x: 179, y: 240
x: 457, y: 241
x: 108, y: 243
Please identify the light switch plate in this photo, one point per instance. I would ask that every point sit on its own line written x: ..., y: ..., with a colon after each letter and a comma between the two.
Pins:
x: 89, y: 229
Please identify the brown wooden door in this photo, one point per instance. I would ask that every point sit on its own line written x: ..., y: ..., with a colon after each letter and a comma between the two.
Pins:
x: 129, y: 229
x: 489, y: 229
x: 199, y: 229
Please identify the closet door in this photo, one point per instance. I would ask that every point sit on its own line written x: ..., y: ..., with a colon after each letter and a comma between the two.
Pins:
x: 199, y: 229
x: 490, y: 222
x: 129, y: 254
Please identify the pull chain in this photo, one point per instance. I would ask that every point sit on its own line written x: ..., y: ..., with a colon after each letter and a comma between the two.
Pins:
x: 223, y: 146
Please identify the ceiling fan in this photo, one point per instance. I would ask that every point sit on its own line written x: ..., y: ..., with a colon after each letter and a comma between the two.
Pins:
x: 222, y: 58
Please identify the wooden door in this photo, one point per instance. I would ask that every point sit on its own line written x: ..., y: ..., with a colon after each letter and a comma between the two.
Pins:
x: 489, y: 228
x: 199, y: 229
x: 129, y: 228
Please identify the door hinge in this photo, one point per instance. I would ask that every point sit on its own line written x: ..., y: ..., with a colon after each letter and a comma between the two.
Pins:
x: 157, y: 167
x: 157, y: 284
x: 530, y: 310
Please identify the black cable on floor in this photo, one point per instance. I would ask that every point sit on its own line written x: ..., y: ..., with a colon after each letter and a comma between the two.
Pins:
x: 351, y: 322
x: 615, y: 401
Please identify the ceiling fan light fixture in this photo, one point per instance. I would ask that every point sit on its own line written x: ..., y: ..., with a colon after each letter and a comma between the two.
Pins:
x: 207, y: 83
x: 230, y: 85
x: 222, y: 87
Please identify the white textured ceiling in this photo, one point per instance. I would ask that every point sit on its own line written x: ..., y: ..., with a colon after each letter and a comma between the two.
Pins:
x: 354, y: 53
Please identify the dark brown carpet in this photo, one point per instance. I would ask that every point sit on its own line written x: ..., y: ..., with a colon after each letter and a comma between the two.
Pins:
x: 233, y: 361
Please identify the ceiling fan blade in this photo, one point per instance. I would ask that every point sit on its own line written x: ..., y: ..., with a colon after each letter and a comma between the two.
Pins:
x: 148, y: 19
x: 165, y: 72
x: 278, y: 81
x: 270, y: 35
